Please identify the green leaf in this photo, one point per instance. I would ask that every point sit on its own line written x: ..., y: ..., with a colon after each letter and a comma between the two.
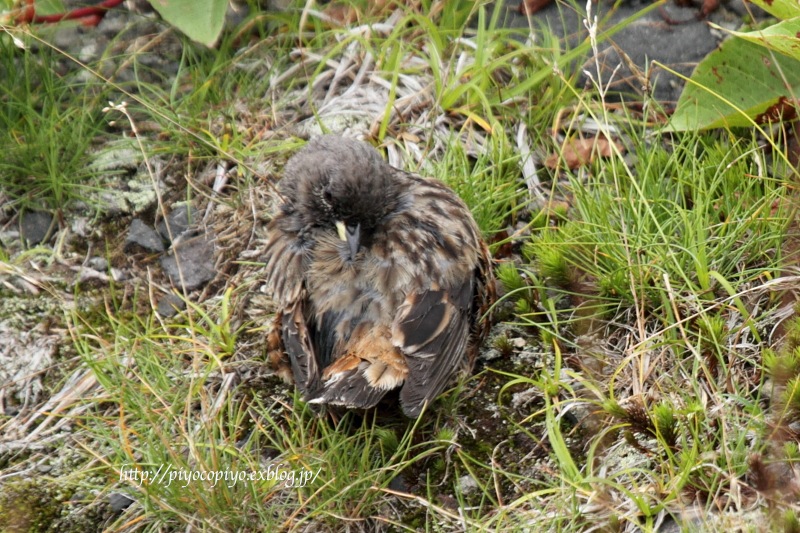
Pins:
x: 780, y: 9
x: 50, y: 7
x: 200, y: 20
x: 782, y: 37
x: 735, y: 86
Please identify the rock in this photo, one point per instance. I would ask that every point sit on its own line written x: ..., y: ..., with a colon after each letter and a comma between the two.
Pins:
x: 92, y: 277
x: 467, y: 484
x: 190, y: 263
x: 98, y: 263
x: 178, y: 221
x: 118, y: 502
x: 143, y: 236
x: 489, y: 355
x: 399, y: 484
x: 81, y: 227
x: 118, y: 275
x: 170, y: 305
x: 34, y: 226
x: 523, y: 398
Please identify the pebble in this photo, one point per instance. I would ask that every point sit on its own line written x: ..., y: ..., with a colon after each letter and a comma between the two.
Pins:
x: 191, y: 261
x: 98, y: 263
x: 178, y: 222
x: 118, y: 502
x: 170, y: 305
x: 143, y: 236
x: 467, y: 484
x: 34, y: 226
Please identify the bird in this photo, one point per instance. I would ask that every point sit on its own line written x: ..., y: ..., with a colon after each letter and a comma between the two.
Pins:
x: 381, y: 280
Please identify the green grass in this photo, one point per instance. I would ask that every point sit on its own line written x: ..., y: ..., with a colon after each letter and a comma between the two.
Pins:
x: 167, y: 405
x: 48, y: 124
x: 639, y: 375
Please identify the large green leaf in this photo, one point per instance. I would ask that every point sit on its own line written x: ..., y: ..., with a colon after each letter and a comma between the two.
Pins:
x: 201, y: 20
x: 734, y: 86
x: 783, y: 37
x: 780, y: 9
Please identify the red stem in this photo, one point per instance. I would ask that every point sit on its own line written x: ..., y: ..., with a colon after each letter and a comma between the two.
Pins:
x: 91, y: 14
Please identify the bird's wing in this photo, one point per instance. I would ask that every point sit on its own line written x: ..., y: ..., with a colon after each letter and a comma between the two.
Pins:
x: 286, y: 260
x: 298, y: 345
x: 432, y: 329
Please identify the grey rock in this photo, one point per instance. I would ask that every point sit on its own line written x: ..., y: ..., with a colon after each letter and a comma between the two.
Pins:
x: 34, y: 226
x: 143, y: 236
x: 170, y: 305
x: 118, y: 275
x: 90, y: 276
x: 81, y: 227
x: 467, y: 484
x: 119, y: 502
x: 399, y: 483
x: 191, y: 261
x: 177, y: 222
x: 65, y: 36
x: 98, y: 263
x: 489, y: 355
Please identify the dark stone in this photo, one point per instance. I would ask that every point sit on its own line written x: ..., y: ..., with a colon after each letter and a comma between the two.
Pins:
x: 192, y: 261
x: 143, y: 236
x: 170, y: 305
x: 78, y: 497
x: 178, y: 221
x: 399, y: 484
x: 118, y: 502
x: 34, y: 226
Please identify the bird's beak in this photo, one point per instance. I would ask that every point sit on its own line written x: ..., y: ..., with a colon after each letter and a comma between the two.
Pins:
x: 351, y: 235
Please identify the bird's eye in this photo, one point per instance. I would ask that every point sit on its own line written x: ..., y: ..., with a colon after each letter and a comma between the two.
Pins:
x: 327, y: 195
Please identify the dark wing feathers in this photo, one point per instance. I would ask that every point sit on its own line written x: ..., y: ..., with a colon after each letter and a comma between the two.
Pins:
x: 426, y: 315
x: 286, y: 260
x: 434, y: 349
x: 297, y: 343
x: 350, y: 391
x: 325, y: 337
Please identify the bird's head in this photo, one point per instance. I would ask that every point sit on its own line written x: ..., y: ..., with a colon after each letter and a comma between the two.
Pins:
x: 340, y: 185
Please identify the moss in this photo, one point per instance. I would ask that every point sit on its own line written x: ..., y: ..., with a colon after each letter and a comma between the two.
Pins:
x: 29, y: 506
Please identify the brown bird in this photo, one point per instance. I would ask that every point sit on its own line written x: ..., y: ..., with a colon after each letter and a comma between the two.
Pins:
x: 381, y: 279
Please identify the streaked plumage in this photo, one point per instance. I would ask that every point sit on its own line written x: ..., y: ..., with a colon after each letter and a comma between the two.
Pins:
x: 380, y: 277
